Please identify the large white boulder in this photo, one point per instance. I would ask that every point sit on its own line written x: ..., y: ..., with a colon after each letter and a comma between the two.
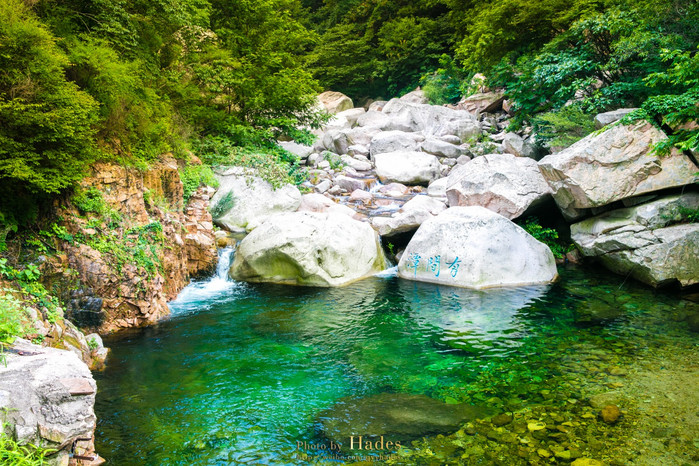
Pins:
x: 391, y: 141
x: 503, y: 183
x: 645, y: 241
x: 335, y: 102
x: 309, y: 248
x: 47, y: 396
x: 442, y: 148
x: 613, y: 165
x: 243, y: 199
x: 432, y: 120
x: 476, y: 248
x: 407, y: 167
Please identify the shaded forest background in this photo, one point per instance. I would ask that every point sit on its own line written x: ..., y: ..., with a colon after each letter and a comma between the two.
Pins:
x: 127, y: 80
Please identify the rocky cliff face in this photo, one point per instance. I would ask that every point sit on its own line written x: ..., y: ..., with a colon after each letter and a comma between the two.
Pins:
x: 131, y: 247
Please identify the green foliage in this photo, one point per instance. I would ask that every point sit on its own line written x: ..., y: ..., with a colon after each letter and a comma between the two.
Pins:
x: 92, y: 344
x: 446, y: 84
x: 496, y: 29
x: 678, y: 110
x: 12, y: 318
x: 140, y: 246
x: 27, y: 279
x: 12, y: 453
x: 563, y: 127
x: 605, y: 60
x: 91, y: 201
x: 548, y: 236
x: 377, y: 48
x: 46, y: 135
x: 270, y: 162
x: 224, y: 204
x: 194, y: 176
x: 334, y: 160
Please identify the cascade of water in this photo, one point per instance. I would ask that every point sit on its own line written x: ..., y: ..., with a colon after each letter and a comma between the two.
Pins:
x: 202, y: 293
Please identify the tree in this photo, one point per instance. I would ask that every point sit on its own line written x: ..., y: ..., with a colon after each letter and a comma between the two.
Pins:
x: 46, y: 134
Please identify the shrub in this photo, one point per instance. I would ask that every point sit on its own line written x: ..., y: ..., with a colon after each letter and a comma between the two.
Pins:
x: 563, y: 127
x: 548, y: 236
x: 194, y: 176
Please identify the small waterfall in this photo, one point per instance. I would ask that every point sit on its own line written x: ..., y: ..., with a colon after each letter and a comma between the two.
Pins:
x: 224, y: 263
x: 200, y: 294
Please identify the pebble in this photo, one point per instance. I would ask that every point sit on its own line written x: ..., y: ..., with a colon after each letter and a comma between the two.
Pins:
x: 535, y: 425
x: 501, y: 419
x: 610, y: 414
x: 586, y: 462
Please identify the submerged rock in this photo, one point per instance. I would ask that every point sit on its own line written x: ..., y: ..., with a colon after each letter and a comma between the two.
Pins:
x: 397, y: 416
x: 309, y: 248
x: 618, y: 163
x: 476, y: 248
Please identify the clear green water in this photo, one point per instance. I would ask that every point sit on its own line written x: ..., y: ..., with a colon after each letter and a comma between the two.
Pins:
x: 240, y: 374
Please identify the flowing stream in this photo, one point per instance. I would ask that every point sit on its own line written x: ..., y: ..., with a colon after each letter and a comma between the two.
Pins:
x: 240, y: 372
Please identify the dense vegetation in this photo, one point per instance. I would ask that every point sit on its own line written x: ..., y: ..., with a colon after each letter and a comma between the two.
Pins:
x: 127, y: 80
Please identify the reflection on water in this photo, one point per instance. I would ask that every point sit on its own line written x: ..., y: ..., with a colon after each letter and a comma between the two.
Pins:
x: 241, y: 371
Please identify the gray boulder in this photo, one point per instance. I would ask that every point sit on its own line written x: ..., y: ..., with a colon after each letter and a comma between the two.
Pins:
x: 243, y: 199
x: 374, y: 119
x: 299, y: 150
x: 643, y: 242
x: 415, y: 97
x: 431, y: 120
x: 409, y: 217
x: 488, y: 102
x: 407, y: 167
x: 442, y: 148
x: 607, y: 118
x: 335, y: 102
x: 616, y: 164
x: 308, y: 248
x: 391, y: 141
x: 503, y: 183
x: 516, y: 145
x: 47, y: 397
x: 474, y: 247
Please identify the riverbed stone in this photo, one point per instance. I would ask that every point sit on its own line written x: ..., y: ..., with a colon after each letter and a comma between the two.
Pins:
x: 244, y: 198
x: 616, y: 164
x: 309, y: 248
x: 396, y: 416
x: 476, y: 248
x: 409, y: 167
x: 503, y: 183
